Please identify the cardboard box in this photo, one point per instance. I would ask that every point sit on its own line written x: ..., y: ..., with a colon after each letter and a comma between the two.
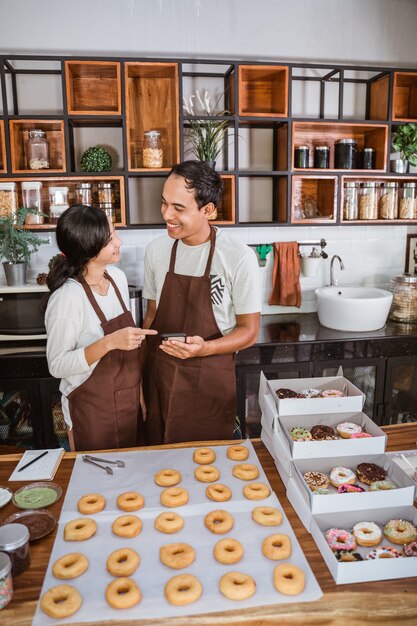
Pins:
x: 363, y: 571
x: 267, y: 440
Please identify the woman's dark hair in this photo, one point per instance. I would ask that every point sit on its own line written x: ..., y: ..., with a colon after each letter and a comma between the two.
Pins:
x: 81, y: 232
x: 206, y: 183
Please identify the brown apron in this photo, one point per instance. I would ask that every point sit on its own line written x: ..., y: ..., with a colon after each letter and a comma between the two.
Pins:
x: 191, y: 399
x: 105, y: 408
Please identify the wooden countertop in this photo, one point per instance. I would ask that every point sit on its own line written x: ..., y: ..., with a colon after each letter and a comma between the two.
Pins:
x: 388, y: 602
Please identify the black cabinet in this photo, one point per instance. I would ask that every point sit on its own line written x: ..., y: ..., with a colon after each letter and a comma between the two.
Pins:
x: 400, y: 393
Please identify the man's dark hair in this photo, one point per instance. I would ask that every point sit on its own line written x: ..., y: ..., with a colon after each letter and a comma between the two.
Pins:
x: 206, y: 183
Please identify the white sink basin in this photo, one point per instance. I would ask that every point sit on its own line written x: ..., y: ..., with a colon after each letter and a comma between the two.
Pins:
x: 355, y: 309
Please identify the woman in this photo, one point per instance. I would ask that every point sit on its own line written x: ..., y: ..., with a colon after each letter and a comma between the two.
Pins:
x: 92, y: 342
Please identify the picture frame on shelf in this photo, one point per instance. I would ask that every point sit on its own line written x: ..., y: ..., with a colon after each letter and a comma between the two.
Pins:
x: 411, y: 254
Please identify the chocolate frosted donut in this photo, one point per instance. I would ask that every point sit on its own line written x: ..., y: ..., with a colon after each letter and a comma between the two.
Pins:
x: 369, y: 473
x: 321, y: 432
x: 284, y: 394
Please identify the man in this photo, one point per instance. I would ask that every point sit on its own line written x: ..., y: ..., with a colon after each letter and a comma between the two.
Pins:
x: 205, y: 285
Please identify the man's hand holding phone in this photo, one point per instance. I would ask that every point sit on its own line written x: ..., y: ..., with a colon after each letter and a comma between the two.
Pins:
x: 182, y: 346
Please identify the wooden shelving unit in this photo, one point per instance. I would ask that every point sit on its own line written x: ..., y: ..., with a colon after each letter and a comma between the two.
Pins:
x: 93, y: 87
x: 263, y: 90
x: 313, y: 199
x: 19, y: 135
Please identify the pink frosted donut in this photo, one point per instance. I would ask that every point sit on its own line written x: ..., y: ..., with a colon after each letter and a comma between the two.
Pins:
x: 339, y: 539
x: 360, y: 436
x: 347, y: 429
x: 350, y: 489
x: 383, y: 552
x: 332, y: 393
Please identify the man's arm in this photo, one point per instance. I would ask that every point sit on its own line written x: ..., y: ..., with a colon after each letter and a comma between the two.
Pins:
x: 150, y: 313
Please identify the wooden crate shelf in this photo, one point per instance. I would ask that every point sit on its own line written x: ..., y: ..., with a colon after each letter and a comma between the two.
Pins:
x: 226, y: 208
x: 3, y: 162
x: 19, y: 135
x: 379, y: 97
x: 93, y: 87
x: 263, y: 90
x: 152, y: 104
x: 313, y: 134
x: 404, y: 107
x: 315, y: 197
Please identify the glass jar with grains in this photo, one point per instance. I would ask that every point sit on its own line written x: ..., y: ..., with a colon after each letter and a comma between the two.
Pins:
x: 106, y: 193
x: 153, y: 154
x: 8, y: 199
x: 388, y: 201
x: 408, y: 202
x: 404, y: 302
x: 350, y: 200
x: 84, y: 194
x: 368, y: 201
x: 37, y: 150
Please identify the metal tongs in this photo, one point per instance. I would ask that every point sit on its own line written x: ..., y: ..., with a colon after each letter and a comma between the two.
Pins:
x: 87, y: 458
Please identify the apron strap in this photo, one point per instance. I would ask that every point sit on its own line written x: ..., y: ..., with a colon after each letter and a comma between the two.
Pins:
x: 210, y: 256
x: 117, y: 292
x: 93, y: 301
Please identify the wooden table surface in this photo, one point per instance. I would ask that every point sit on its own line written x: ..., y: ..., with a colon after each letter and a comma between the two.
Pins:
x: 392, y: 602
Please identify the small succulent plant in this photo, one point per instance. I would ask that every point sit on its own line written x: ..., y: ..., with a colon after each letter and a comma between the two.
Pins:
x: 96, y: 159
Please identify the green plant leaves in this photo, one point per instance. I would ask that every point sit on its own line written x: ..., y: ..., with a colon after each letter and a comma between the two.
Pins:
x: 16, y: 243
x: 404, y: 140
x: 95, y: 159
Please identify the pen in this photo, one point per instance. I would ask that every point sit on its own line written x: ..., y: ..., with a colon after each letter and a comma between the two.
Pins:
x: 33, y: 461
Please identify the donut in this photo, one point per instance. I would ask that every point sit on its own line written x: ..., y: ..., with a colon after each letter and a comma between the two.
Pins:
x: 370, y: 472
x: 256, y: 491
x: 127, y: 526
x: 207, y: 473
x: 316, y: 479
x: 267, y: 516
x: 219, y: 522
x: 204, y: 456
x: 130, y: 501
x: 383, y: 552
x: 298, y: 433
x: 174, y: 496
x: 348, y: 556
x: 177, y: 555
x: 360, y: 436
x: 400, y: 531
x: 228, y: 551
x: 237, y: 453
x: 183, y: 589
x: 277, y: 547
x: 347, y: 429
x: 167, y: 477
x: 123, y: 562
x: 80, y: 529
x: 410, y: 549
x: 342, y: 476
x: 350, y: 489
x: 245, y: 471
x: 289, y: 579
x: 382, y: 485
x: 123, y: 593
x: 323, y: 433
x: 332, y: 393
x: 310, y: 393
x: 70, y: 566
x: 237, y: 586
x: 339, y: 539
x: 285, y: 394
x: 61, y: 601
x: 90, y: 504
x: 169, y: 522
x: 367, y: 534
x: 218, y: 492
x: 322, y: 491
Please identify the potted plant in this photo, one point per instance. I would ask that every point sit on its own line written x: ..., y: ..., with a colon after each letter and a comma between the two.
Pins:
x: 95, y: 159
x: 205, y: 136
x: 16, y: 246
x: 404, y: 141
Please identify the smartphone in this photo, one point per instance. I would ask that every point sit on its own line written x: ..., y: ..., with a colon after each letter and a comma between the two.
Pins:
x: 175, y: 336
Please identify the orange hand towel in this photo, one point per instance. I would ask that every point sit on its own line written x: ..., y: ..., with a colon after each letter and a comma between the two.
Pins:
x: 286, y: 289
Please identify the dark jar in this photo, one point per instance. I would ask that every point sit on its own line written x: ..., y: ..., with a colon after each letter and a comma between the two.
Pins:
x: 301, y: 156
x: 367, y: 158
x: 14, y: 541
x: 321, y: 157
x: 345, y: 154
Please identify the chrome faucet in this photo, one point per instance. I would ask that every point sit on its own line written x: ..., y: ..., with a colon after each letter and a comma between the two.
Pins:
x: 333, y: 282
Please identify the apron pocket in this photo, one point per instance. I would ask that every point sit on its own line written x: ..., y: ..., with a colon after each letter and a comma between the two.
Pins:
x: 126, y: 401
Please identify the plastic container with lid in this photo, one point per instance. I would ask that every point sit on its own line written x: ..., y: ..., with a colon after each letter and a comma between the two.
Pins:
x: 350, y: 200
x: 404, y: 302
x: 301, y: 156
x: 14, y: 541
x: 388, y: 201
x: 368, y: 201
x: 37, y: 150
x: 321, y: 157
x: 8, y: 199
x: 408, y: 202
x: 6, y: 580
x: 345, y: 154
x: 58, y: 198
x: 153, y: 154
x: 32, y: 199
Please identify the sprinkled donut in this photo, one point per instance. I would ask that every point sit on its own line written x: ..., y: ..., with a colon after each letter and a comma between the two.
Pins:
x: 360, y: 436
x: 80, y: 529
x: 204, y: 456
x: 61, y: 601
x: 256, y: 491
x: 127, y: 526
x: 70, y: 566
x: 183, y: 589
x: 285, y: 394
x: 123, y: 593
x: 367, y: 534
x: 91, y: 503
x: 277, y: 547
x: 237, y: 453
x: 339, y: 539
x: 400, y: 531
x: 218, y: 492
x: 316, y: 479
x: 342, y: 476
x: 228, y: 551
x: 382, y: 485
x: 321, y: 432
x: 267, y: 516
x: 347, y: 429
x: 169, y: 522
x: 245, y: 471
x: 383, y: 552
x: 348, y: 556
x: 130, y: 501
x: 310, y: 393
x: 207, y: 473
x: 167, y: 477
x: 123, y: 562
x: 177, y: 555
x: 410, y: 549
x: 298, y: 433
x: 174, y: 496
x: 219, y: 522
x: 289, y: 579
x: 237, y: 585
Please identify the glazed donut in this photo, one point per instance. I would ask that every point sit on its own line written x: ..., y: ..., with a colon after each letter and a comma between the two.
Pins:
x: 167, y: 477
x: 218, y: 492
x: 80, y: 529
x: 177, y: 555
x: 382, y: 485
x: 383, y: 552
x: 130, y: 501
x: 219, y: 522
x: 123, y: 562
x: 367, y: 534
x: 316, y: 479
x: 204, y: 456
x: 342, y: 476
x: 347, y: 429
x: 245, y: 471
x: 90, y: 504
x: 237, y: 453
x: 410, y: 549
x: 267, y: 516
x: 207, y: 473
x: 332, y: 393
x: 183, y: 589
x: 300, y: 434
x: 400, y: 531
x: 277, y: 547
x: 228, y: 551
x: 339, y: 539
x: 123, y: 593
x: 70, y: 566
x: 61, y: 601
x: 289, y: 579
x: 174, y: 496
x: 322, y: 491
x: 322, y: 433
x: 348, y: 556
x: 370, y: 472
x: 169, y: 522
x: 127, y: 526
x: 237, y: 586
x: 256, y: 491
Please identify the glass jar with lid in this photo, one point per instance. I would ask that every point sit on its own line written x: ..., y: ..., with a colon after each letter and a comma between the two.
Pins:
x: 8, y: 199
x: 368, y: 201
x: 84, y: 194
x: 408, y: 201
x: 32, y: 199
x: 58, y: 198
x: 404, y: 302
x: 109, y: 209
x: 345, y: 154
x: 301, y: 156
x: 153, y: 154
x: 367, y: 158
x: 37, y: 150
x: 388, y: 201
x: 6, y: 581
x: 106, y: 192
x: 14, y: 541
x: 350, y: 200
x: 321, y: 157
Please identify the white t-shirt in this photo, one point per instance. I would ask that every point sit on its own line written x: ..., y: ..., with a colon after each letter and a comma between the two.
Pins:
x: 71, y: 325
x: 235, y: 279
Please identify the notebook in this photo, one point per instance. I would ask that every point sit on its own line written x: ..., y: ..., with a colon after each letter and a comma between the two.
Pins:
x: 43, y: 465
